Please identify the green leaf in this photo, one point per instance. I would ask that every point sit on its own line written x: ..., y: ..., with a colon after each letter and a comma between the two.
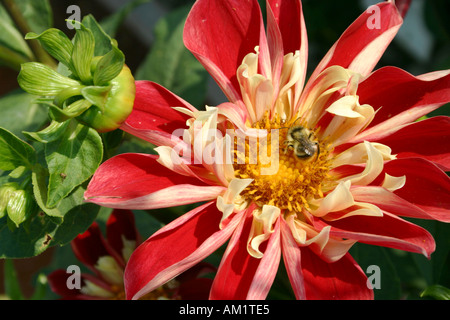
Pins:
x: 113, y: 22
x: 11, y: 38
x: 170, y: 64
x: 83, y: 53
x: 436, y: 292
x: 41, y: 80
x: 56, y: 43
x: 71, y: 160
x: 15, y: 152
x: 109, y: 67
x: 45, y: 231
x: 37, y: 13
x: 18, y: 172
x: 434, y: 269
x: 19, y: 112
x: 39, y: 178
x: 12, y: 285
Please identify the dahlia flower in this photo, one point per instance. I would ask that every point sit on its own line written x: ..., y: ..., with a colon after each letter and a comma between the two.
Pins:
x: 107, y: 258
x: 287, y: 167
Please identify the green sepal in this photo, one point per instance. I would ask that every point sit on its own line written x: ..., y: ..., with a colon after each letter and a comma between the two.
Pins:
x: 51, y: 133
x: 109, y: 66
x: 56, y: 43
x: 83, y: 53
x: 41, y: 80
x: 97, y: 96
x: 72, y: 111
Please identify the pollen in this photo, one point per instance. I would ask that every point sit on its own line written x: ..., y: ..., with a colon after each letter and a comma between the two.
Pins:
x: 286, y: 181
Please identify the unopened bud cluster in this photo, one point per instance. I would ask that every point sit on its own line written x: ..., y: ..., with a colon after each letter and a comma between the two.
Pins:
x: 98, y: 91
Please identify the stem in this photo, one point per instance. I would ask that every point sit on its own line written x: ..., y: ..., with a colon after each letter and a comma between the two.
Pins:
x: 11, y: 58
x: 21, y: 23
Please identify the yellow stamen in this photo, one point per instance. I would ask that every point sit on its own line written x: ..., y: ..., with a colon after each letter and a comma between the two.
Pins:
x: 296, y: 180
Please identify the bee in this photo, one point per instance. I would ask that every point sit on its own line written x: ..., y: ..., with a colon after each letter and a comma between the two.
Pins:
x: 301, y: 140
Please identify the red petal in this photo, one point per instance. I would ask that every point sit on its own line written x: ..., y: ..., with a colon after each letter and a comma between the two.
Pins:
x: 220, y: 33
x: 388, y: 230
x: 129, y: 177
x: 240, y: 275
x: 392, y: 203
x: 427, y: 186
x: 403, y: 6
x: 57, y: 281
x: 237, y: 268
x: 364, y: 42
x: 121, y: 224
x: 341, y: 280
x: 399, y: 98
x: 90, y: 246
x: 288, y: 15
x: 153, y: 109
x: 427, y: 139
x: 174, y: 249
x: 286, y: 33
x: 292, y: 259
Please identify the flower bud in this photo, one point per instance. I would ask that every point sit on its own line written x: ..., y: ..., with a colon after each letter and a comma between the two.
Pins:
x: 99, y: 91
x: 16, y: 202
x: 112, y: 107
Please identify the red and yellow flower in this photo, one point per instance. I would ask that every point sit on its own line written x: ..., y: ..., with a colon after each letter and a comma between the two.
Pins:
x: 372, y: 163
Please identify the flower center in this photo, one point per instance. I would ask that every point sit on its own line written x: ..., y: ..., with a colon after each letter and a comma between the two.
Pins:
x: 297, y: 170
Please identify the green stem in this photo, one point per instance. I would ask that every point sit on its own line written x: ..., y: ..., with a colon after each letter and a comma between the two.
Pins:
x: 11, y: 58
x: 21, y: 23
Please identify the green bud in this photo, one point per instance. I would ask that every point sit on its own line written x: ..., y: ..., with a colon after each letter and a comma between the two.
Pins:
x: 19, y: 206
x: 16, y: 202
x: 6, y: 191
x: 115, y: 107
x: 99, y: 92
